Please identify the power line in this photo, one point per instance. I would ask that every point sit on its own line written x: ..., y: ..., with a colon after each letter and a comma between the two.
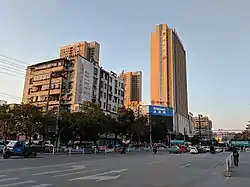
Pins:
x: 12, y: 63
x: 13, y: 96
x: 2, y: 72
x: 13, y: 59
x: 11, y: 68
x: 12, y: 71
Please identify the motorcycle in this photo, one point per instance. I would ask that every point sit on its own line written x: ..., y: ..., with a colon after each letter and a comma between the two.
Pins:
x: 236, y: 160
x: 123, y: 150
x: 154, y: 150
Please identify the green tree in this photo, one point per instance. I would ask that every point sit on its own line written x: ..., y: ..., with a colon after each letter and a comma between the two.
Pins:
x: 47, y: 120
x: 89, y: 122
x: 139, y: 127
x: 125, y: 118
x: 27, y: 119
x: 5, y: 120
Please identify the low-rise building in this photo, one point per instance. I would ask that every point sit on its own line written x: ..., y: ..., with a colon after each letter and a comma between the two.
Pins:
x: 203, y: 127
x: 69, y: 82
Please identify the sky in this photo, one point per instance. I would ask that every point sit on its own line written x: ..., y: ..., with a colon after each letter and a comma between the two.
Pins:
x: 215, y: 34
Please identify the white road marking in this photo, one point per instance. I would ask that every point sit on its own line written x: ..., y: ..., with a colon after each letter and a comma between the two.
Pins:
x: 216, y: 164
x: 37, y: 167
x: 59, y: 171
x: 8, y: 179
x: 99, y: 177
x: 80, y: 172
x: 156, y: 162
x: 185, y: 165
x: 16, y: 184
x: 3, y: 176
x: 42, y: 185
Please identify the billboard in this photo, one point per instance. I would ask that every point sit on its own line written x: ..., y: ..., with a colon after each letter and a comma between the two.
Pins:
x: 84, y: 81
x: 160, y: 111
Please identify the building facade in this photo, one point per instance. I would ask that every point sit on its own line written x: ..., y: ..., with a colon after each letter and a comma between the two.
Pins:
x: 111, y: 92
x: 203, y: 127
x: 68, y: 83
x: 88, y: 50
x: 168, y: 73
x: 133, y: 87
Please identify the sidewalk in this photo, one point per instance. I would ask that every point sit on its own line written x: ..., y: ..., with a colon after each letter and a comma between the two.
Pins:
x: 240, y: 175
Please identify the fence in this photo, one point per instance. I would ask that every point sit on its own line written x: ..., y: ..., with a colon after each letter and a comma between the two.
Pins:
x: 229, y: 165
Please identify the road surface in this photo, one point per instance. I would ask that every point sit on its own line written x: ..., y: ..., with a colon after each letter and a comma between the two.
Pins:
x: 133, y: 169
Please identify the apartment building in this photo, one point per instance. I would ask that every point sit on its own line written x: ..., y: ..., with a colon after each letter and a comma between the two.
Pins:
x: 203, y: 127
x: 133, y: 87
x: 88, y: 50
x: 48, y: 81
x: 111, y: 91
x: 68, y: 83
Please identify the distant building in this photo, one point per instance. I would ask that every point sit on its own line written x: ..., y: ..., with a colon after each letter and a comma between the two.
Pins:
x: 225, y: 134
x: 132, y: 86
x: 88, y: 50
x: 69, y: 82
x: 203, y: 127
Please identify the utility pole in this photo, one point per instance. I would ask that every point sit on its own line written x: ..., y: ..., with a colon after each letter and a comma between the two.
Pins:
x: 50, y: 80
x: 58, y: 113
x: 199, y: 116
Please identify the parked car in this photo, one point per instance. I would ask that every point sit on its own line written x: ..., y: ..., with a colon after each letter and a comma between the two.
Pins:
x: 183, y: 148
x: 194, y: 150
x: 175, y: 149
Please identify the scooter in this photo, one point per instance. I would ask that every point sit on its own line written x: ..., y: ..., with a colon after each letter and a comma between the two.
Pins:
x: 123, y: 150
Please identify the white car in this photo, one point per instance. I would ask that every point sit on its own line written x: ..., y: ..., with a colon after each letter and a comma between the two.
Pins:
x: 193, y: 150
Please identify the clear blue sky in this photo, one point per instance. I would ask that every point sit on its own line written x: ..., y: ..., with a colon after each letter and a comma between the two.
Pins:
x: 215, y: 33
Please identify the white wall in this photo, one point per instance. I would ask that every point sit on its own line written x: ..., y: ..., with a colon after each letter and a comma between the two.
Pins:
x: 184, y: 124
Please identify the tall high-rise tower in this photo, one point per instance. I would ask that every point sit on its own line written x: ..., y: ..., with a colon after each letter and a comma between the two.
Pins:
x: 168, y: 70
x: 133, y: 87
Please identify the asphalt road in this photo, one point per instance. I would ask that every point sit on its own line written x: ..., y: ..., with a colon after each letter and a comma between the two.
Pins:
x: 133, y: 169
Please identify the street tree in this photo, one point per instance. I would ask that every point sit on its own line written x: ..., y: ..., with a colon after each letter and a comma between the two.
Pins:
x: 139, y: 127
x: 89, y: 122
x: 5, y: 120
x: 125, y: 118
x: 48, y: 123
x: 27, y: 119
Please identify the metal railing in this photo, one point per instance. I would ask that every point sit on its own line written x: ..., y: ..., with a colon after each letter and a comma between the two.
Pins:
x: 229, y: 165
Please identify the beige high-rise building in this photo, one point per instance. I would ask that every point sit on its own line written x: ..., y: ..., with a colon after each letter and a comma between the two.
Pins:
x: 89, y: 50
x: 133, y: 87
x: 168, y: 70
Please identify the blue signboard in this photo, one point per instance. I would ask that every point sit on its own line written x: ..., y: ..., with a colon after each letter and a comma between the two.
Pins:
x: 160, y: 111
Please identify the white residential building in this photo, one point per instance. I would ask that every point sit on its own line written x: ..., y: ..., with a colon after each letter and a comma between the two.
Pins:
x: 111, y: 95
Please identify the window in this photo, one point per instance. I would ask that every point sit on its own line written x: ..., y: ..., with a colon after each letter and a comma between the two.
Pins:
x: 95, y: 71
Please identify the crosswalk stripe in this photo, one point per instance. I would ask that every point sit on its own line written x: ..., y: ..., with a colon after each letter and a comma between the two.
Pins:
x: 16, y: 184
x: 3, y: 176
x: 8, y: 179
x: 42, y: 185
